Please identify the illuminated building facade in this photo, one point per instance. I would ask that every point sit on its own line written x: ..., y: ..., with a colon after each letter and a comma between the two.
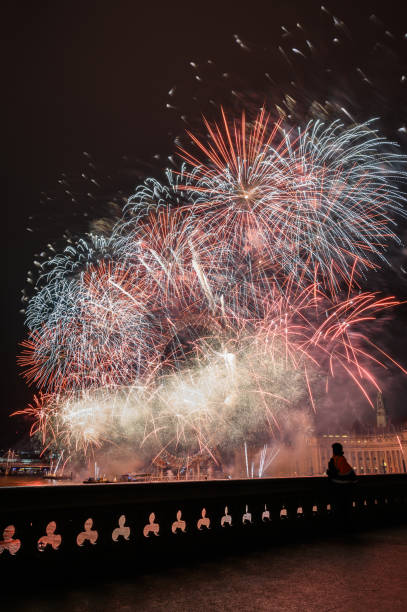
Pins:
x: 381, y: 451
x: 374, y: 453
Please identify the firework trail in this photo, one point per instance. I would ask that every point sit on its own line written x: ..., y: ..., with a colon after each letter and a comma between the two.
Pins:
x: 221, y: 299
x: 317, y: 204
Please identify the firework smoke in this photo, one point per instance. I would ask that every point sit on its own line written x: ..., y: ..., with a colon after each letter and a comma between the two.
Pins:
x: 222, y: 300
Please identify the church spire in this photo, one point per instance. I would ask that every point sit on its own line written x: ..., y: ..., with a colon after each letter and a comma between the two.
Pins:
x: 381, y: 416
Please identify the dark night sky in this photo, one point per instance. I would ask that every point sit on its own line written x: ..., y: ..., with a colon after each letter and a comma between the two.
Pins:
x: 93, y: 76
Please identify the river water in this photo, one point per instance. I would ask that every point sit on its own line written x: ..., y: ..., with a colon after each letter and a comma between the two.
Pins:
x: 32, y: 481
x: 358, y: 572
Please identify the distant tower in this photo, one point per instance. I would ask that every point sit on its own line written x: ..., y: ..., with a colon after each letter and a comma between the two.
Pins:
x: 381, y: 416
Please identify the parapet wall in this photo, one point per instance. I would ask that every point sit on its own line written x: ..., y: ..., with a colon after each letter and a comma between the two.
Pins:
x: 82, y: 525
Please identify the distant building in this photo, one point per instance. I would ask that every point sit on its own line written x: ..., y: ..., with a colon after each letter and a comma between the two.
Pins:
x: 382, y: 450
x: 23, y: 462
x: 374, y: 453
x: 381, y: 416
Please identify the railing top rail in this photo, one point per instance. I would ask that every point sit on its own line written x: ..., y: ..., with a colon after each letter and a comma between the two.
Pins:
x: 103, y: 494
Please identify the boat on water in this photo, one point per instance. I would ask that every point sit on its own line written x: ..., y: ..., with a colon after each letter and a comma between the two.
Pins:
x: 102, y: 480
x: 58, y: 476
x: 135, y: 477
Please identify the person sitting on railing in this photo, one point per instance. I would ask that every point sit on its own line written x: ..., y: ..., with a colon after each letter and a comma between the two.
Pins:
x: 339, y: 469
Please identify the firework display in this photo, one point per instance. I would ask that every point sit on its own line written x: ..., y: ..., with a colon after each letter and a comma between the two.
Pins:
x: 318, y: 201
x: 223, y: 299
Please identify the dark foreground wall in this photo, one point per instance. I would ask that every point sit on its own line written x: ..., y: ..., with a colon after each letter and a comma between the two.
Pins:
x: 84, y: 528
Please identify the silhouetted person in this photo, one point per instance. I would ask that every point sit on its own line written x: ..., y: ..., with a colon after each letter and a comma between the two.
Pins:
x: 339, y: 469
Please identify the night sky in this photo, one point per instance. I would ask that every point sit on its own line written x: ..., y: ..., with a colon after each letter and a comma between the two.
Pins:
x: 94, y: 77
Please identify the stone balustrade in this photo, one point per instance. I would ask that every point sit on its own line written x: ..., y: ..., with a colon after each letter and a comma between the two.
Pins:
x: 42, y: 526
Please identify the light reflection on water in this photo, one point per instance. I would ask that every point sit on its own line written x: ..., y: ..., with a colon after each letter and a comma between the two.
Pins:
x: 31, y: 481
